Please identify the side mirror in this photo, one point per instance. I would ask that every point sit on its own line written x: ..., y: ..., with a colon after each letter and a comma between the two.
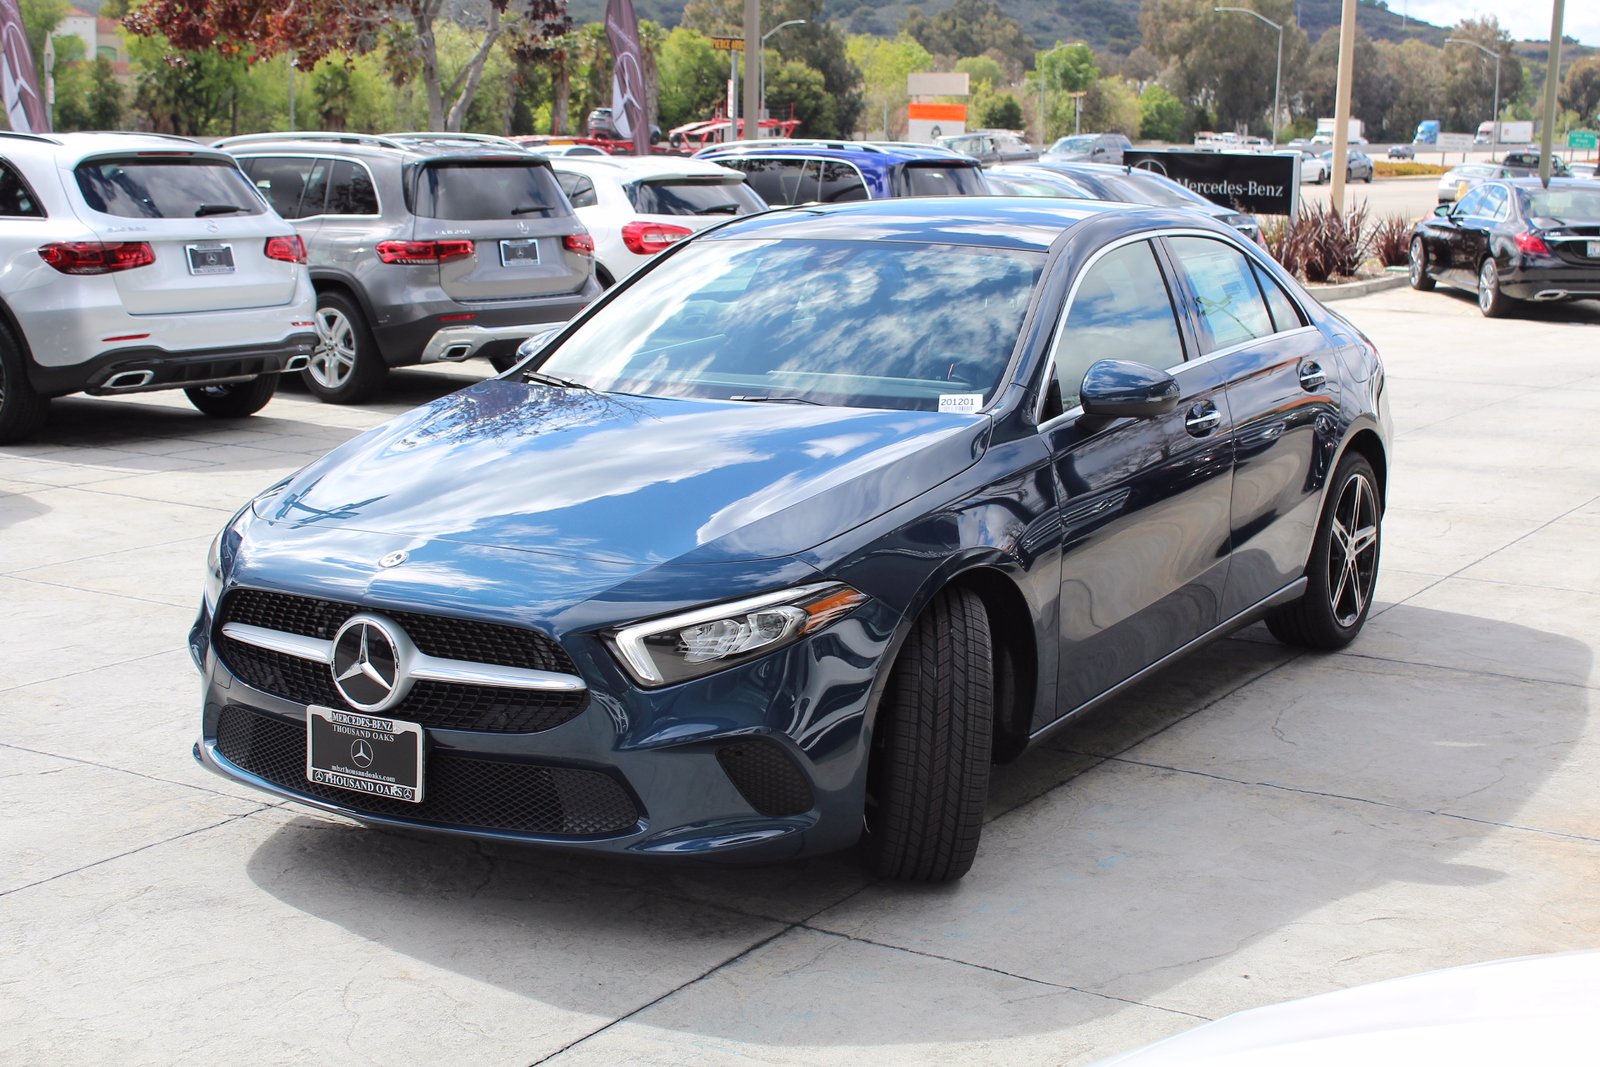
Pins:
x: 536, y: 342
x: 1444, y: 211
x: 1118, y: 388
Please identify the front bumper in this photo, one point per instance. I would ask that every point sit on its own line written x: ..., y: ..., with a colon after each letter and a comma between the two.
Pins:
x: 764, y: 761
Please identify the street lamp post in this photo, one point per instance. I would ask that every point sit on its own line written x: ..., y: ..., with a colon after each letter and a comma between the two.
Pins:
x: 1277, y: 80
x: 1494, y: 125
x: 761, y: 64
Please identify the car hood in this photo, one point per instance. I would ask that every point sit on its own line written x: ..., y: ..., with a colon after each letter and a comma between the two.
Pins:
x: 627, y: 479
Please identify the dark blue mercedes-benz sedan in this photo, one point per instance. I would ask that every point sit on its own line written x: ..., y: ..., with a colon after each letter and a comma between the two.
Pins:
x: 781, y: 544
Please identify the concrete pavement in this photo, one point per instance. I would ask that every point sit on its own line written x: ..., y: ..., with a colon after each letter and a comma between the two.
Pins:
x: 1255, y: 825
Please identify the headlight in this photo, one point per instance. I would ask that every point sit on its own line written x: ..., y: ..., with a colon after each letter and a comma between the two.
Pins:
x: 219, y: 557
x: 679, y: 647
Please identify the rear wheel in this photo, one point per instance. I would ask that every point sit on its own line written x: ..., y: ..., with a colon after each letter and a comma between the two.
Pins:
x: 346, y: 367
x: 1421, y: 280
x: 1491, y: 301
x: 234, y: 400
x: 22, y: 410
x: 1344, y: 564
x: 929, y: 776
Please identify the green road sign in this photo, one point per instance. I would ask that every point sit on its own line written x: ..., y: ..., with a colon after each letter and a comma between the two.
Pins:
x: 1582, y: 139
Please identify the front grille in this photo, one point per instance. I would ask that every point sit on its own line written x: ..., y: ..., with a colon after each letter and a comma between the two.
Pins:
x: 437, y: 705
x: 766, y: 776
x: 458, y: 790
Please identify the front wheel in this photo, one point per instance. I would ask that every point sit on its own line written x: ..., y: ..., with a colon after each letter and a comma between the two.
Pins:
x: 1491, y: 301
x: 1343, y: 570
x: 234, y: 400
x: 1421, y: 280
x: 346, y: 366
x: 929, y: 774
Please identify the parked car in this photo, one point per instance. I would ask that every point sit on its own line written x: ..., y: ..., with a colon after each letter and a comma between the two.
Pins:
x: 1315, y: 169
x: 1023, y: 180
x: 136, y: 262
x: 1454, y: 183
x: 1523, y: 164
x: 1402, y: 151
x: 602, y: 124
x: 423, y: 247
x: 1089, y: 148
x: 812, y: 495
x: 990, y: 146
x: 1583, y: 170
x: 1513, y: 240
x: 784, y: 172
x: 1358, y: 165
x: 635, y: 207
x: 1132, y: 186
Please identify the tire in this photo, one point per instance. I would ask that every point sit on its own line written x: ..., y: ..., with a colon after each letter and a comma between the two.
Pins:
x: 1343, y: 570
x: 346, y: 367
x: 1369, y: 177
x: 501, y: 364
x: 1491, y: 301
x: 929, y: 773
x: 22, y: 409
x: 1421, y: 280
x: 236, y: 399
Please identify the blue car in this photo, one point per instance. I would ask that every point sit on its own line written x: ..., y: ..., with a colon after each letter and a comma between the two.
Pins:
x: 788, y: 172
x: 784, y: 542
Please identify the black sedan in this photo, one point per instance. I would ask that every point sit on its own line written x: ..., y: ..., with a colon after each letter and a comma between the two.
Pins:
x: 1513, y: 240
x: 1104, y: 181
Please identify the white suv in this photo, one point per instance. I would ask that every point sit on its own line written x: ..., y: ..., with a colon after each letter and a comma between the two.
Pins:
x: 134, y: 262
x: 638, y: 206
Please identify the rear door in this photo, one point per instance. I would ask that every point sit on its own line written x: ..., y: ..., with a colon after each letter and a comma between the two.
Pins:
x: 1144, y: 502
x: 203, y: 220
x: 1469, y: 241
x: 516, y: 218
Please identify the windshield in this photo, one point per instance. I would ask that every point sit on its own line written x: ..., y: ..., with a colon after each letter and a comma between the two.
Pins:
x: 1561, y: 203
x: 1155, y: 190
x: 1079, y: 143
x: 844, y: 323
x: 688, y: 196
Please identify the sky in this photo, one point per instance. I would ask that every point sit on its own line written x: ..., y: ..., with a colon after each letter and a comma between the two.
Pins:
x: 1526, y: 20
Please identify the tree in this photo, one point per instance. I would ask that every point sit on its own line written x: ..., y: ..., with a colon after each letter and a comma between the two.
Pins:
x: 1221, y: 62
x: 884, y: 65
x: 1418, y: 70
x: 194, y: 94
x: 999, y: 111
x: 39, y: 20
x: 1161, y: 115
x: 1111, y: 106
x: 971, y: 28
x: 1374, y: 85
x: 1065, y: 69
x: 1467, y: 96
x: 984, y: 73
x: 693, y: 77
x: 797, y: 86
x: 1580, y: 91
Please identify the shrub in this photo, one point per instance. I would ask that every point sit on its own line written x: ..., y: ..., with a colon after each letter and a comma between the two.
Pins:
x: 1389, y: 240
x: 1384, y: 169
x: 1319, y: 243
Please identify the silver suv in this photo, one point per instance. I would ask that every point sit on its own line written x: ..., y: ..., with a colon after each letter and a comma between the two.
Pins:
x: 423, y: 247
x: 134, y: 262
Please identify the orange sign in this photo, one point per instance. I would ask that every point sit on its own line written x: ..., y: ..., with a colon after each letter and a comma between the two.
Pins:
x: 938, y: 112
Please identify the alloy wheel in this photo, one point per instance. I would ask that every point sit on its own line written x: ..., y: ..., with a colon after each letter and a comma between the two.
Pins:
x: 334, y: 359
x: 1353, y: 550
x: 1488, y: 284
x: 1416, y: 261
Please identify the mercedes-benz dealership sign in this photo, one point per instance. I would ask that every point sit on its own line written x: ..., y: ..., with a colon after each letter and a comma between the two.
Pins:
x: 1262, y: 183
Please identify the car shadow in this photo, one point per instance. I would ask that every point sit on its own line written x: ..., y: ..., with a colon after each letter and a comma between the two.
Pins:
x: 1580, y: 312
x: 1209, y: 864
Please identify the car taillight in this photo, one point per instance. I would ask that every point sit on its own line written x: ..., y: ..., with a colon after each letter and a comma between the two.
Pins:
x: 1532, y: 244
x: 648, y: 238
x: 97, y: 257
x: 291, y: 249
x: 413, y: 252
x: 580, y: 243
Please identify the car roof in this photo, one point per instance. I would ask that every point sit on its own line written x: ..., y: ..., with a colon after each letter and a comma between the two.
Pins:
x: 855, y: 151
x: 631, y: 167
x: 1028, y: 223
x: 421, y: 145
x: 82, y: 145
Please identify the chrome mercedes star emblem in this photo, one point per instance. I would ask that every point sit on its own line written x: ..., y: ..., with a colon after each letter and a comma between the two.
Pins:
x: 366, y: 664
x: 394, y: 559
x: 361, y: 754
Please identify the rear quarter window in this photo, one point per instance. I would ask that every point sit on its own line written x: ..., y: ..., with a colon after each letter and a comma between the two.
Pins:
x: 925, y: 179
x: 483, y: 189
x: 16, y: 200
x: 156, y: 187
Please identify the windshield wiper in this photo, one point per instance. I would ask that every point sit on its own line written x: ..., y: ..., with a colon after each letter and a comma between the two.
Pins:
x: 529, y: 209
x: 550, y: 379
x: 217, y: 209
x: 719, y: 209
x: 774, y: 400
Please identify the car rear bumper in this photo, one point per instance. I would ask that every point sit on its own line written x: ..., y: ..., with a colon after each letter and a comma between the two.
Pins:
x: 1551, y: 282
x: 146, y: 369
x: 452, y: 332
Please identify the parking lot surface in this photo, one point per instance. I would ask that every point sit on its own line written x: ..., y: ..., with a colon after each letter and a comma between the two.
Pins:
x: 1254, y: 825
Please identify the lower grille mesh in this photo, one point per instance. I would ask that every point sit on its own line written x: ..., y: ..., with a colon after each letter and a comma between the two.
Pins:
x: 469, y: 791
x: 766, y: 776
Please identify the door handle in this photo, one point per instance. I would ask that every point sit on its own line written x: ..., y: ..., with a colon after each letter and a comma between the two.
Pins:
x: 1311, y: 376
x: 1202, y: 419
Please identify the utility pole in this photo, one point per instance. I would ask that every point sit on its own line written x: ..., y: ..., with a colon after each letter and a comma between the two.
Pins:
x: 1341, y: 104
x: 1557, y: 15
x: 752, y: 51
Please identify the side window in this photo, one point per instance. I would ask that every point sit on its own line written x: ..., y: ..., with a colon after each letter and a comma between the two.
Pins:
x: 282, y: 181
x: 350, y: 190
x: 840, y: 182
x: 579, y: 189
x: 1494, y: 202
x: 1122, y: 310
x: 775, y: 180
x: 1227, y: 299
x: 1474, y: 202
x: 15, y: 199
x: 1285, y: 316
x: 316, y: 189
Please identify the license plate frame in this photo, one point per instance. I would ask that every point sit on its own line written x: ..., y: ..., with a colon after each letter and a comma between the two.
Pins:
x: 209, y: 257
x: 519, y: 252
x: 1592, y: 250
x: 372, y: 755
